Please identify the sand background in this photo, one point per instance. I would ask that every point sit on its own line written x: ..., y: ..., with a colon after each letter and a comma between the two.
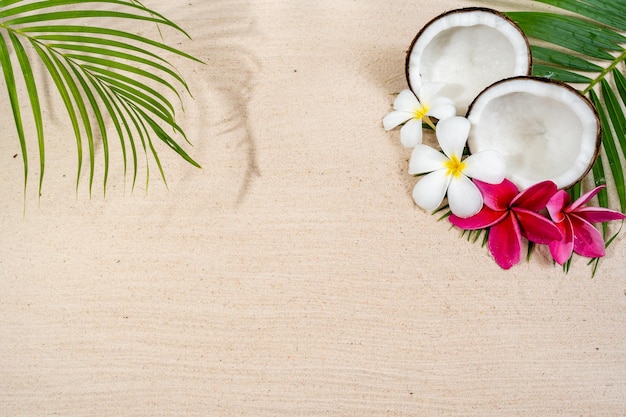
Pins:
x: 292, y: 275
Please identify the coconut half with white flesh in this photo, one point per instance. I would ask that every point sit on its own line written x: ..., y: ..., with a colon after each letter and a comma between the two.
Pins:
x: 544, y: 129
x: 467, y: 50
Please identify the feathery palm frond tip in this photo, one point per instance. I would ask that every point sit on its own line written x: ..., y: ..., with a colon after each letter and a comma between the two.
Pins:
x: 98, y: 71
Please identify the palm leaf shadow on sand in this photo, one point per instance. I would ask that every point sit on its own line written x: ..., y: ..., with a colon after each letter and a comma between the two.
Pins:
x: 237, y: 124
x: 221, y: 128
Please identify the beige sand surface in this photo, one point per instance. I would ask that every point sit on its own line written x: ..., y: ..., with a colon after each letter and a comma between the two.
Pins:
x: 292, y: 275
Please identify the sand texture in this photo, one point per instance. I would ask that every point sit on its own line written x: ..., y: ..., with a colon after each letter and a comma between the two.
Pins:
x: 292, y: 275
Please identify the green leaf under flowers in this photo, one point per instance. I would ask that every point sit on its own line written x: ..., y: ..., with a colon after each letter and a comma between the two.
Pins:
x: 620, y: 84
x: 569, y: 33
x: 99, y: 72
x: 575, y: 191
x: 555, y: 73
x: 616, y: 116
x: 596, y: 261
x: 563, y: 59
x: 608, y: 141
x: 609, y: 14
x: 599, y: 179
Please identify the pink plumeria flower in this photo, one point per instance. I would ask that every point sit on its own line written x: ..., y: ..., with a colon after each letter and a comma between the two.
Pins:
x: 575, y: 223
x: 411, y: 110
x: 511, y: 215
x: 449, y: 173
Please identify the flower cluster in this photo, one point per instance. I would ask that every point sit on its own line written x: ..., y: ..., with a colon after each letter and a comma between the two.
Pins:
x: 510, y: 215
x: 481, y: 198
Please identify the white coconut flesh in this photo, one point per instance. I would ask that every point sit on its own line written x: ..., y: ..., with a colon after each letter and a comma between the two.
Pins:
x: 467, y: 50
x: 544, y: 130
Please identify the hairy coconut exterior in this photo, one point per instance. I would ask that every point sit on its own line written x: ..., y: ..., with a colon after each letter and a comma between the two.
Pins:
x: 572, y: 90
x: 464, y: 10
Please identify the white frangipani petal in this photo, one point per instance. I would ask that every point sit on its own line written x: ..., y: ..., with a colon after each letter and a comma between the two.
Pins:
x: 411, y: 133
x: 442, y: 108
x: 486, y: 166
x: 452, y: 135
x: 428, y: 92
x: 396, y: 118
x: 428, y: 193
x: 425, y: 159
x: 406, y: 101
x: 464, y: 198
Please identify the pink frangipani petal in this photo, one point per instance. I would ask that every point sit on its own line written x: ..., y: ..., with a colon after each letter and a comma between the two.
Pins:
x: 561, y: 250
x: 497, y: 196
x: 535, y: 198
x: 505, y: 242
x: 587, y: 239
x: 598, y: 214
x: 536, y: 227
x: 584, y: 199
x: 556, y: 204
x: 486, y: 217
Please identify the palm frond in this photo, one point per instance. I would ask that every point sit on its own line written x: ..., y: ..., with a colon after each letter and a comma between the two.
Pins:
x: 585, y: 47
x: 99, y: 72
x: 9, y: 79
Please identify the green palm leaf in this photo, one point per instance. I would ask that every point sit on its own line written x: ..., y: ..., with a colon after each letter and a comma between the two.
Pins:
x: 99, y: 72
x: 585, y: 46
x: 9, y: 79
x: 31, y: 87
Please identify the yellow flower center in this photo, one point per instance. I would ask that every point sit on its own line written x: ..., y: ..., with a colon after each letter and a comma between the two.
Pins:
x: 455, y: 166
x: 421, y: 111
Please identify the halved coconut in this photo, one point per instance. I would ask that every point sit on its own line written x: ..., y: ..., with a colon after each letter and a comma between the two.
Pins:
x: 467, y: 50
x: 544, y: 129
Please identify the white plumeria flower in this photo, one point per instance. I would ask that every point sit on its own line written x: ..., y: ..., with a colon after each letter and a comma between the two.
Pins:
x: 412, y: 110
x: 448, y: 173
